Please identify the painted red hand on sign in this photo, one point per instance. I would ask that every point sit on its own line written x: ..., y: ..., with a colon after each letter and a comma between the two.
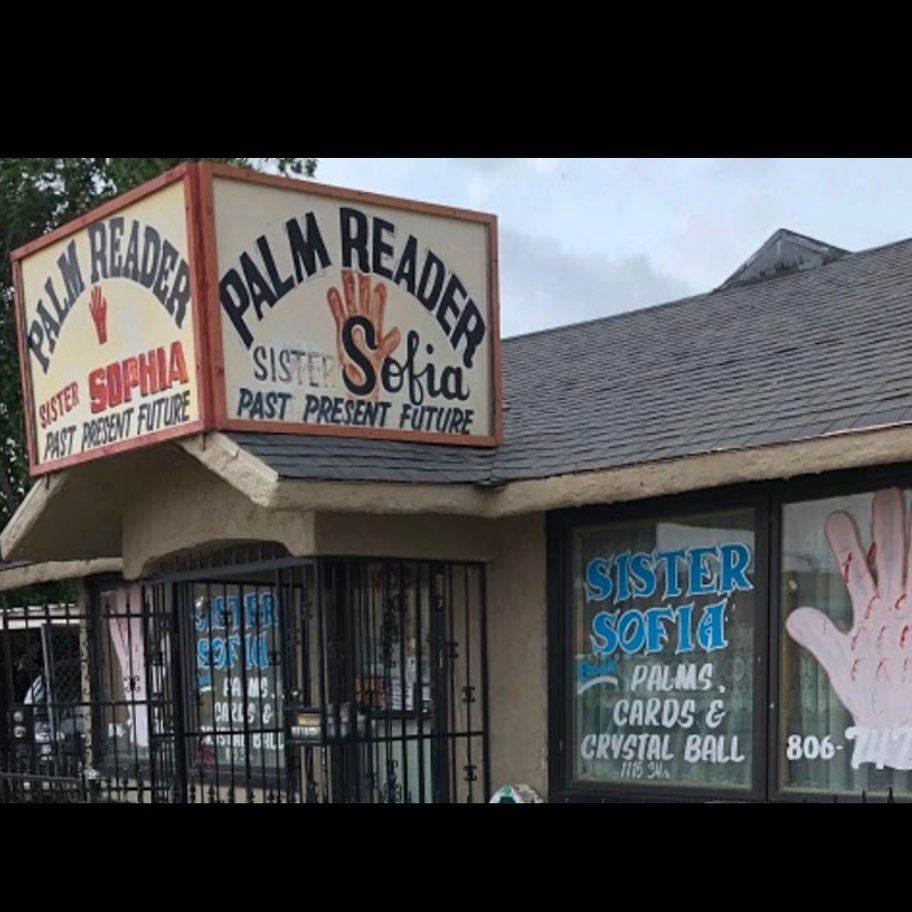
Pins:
x: 870, y: 666
x: 98, y: 307
x: 364, y: 312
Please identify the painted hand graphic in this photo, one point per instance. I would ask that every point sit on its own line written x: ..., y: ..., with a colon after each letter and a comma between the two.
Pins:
x: 364, y: 313
x: 870, y: 666
x: 98, y: 307
x: 127, y: 637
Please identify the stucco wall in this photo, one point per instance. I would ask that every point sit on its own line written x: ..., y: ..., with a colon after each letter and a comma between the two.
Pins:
x: 196, y: 508
x: 14, y: 577
x: 517, y: 654
x: 426, y: 536
x: 192, y: 507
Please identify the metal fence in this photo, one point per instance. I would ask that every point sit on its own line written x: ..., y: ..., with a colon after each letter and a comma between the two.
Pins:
x: 252, y: 677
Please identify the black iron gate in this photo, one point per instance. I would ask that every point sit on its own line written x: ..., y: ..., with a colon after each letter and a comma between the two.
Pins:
x: 262, y: 678
x: 396, y: 710
x: 43, y: 653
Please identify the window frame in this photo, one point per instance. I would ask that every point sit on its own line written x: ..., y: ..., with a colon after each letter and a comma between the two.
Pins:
x: 767, y: 499
x: 795, y: 491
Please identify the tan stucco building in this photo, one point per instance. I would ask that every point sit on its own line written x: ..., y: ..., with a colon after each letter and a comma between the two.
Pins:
x: 616, y: 602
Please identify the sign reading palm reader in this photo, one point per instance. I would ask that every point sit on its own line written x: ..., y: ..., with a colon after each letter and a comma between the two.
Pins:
x: 212, y: 298
x: 106, y: 327
x: 345, y: 316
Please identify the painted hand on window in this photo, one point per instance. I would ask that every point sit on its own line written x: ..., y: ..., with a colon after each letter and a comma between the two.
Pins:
x: 870, y: 667
x: 98, y: 307
x: 127, y: 637
x: 362, y: 348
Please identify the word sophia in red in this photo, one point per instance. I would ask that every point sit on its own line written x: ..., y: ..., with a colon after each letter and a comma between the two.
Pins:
x: 147, y: 373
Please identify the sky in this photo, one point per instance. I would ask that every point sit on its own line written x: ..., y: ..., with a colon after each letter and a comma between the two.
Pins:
x: 584, y: 238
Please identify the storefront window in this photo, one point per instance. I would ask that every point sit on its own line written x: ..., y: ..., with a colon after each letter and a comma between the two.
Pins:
x: 663, y: 647
x: 124, y: 707
x: 845, y: 722
x: 238, y: 694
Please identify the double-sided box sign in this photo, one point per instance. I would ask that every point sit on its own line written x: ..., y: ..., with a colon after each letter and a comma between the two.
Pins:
x: 213, y: 297
x: 107, y: 312
x: 353, y: 314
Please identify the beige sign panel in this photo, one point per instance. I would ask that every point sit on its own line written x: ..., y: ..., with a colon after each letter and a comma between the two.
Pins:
x: 354, y: 314
x: 107, y: 329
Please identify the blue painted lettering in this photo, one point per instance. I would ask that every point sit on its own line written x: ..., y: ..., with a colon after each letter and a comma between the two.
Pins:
x: 711, y: 630
x: 656, y: 634
x: 684, y: 614
x: 631, y: 628
x: 622, y: 562
x: 648, y: 631
x: 672, y: 583
x: 698, y: 583
x: 598, y: 582
x: 735, y: 560
x: 604, y: 639
x: 644, y: 578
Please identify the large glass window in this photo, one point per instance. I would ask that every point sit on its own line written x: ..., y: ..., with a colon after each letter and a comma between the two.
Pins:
x: 845, y: 681
x: 238, y: 693
x: 662, y: 648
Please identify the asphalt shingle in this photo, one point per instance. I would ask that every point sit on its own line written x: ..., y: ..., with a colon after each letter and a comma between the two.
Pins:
x: 787, y: 358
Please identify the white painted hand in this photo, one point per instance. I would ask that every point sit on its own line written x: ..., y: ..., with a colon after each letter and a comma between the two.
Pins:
x: 870, y: 666
x: 127, y: 637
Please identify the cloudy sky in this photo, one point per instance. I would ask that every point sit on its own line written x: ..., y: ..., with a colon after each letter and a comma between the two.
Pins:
x: 582, y: 238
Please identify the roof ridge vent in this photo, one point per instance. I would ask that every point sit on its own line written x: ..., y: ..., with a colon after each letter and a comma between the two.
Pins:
x: 782, y: 253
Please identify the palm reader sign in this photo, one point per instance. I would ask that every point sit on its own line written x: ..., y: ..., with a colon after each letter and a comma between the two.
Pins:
x: 870, y: 666
x: 361, y: 356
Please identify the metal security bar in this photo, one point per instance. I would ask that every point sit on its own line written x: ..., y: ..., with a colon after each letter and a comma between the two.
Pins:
x: 253, y: 677
x: 87, y: 717
x: 389, y: 684
x: 45, y: 703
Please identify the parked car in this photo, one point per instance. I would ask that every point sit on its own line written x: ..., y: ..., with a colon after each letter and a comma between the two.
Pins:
x: 55, y: 724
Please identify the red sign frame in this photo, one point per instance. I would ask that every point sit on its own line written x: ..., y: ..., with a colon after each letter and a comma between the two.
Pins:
x: 198, y: 179
x: 189, y: 175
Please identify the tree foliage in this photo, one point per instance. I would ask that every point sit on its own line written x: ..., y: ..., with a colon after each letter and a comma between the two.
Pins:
x: 36, y: 196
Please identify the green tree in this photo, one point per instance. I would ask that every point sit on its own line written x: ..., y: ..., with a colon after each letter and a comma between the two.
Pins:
x: 36, y: 196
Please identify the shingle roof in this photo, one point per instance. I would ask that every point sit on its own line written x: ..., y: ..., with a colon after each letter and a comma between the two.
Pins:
x: 792, y: 357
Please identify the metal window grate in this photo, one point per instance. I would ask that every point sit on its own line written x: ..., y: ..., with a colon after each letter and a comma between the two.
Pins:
x: 256, y: 677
